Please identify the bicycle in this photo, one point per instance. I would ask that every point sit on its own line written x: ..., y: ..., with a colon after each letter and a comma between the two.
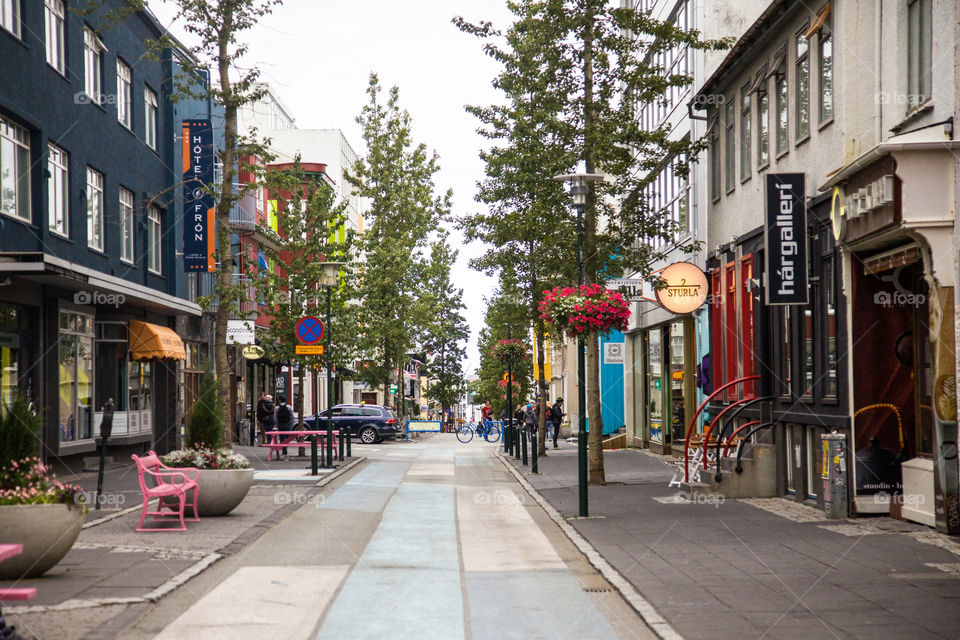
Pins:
x: 488, y: 430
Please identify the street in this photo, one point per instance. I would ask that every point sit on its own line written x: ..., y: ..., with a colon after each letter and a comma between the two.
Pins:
x: 426, y: 540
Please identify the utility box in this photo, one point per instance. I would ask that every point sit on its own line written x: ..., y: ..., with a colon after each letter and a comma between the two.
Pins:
x: 835, y: 475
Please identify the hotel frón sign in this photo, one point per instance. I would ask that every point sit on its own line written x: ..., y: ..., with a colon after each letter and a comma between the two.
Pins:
x: 199, y: 228
x: 785, y: 240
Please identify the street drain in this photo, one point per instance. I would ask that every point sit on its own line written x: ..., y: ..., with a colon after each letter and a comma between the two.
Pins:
x: 597, y: 589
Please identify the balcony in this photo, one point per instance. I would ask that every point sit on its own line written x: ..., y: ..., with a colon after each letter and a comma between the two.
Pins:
x: 243, y: 213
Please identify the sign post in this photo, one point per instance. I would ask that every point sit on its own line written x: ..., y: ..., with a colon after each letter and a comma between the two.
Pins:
x: 785, y: 240
x: 198, y: 207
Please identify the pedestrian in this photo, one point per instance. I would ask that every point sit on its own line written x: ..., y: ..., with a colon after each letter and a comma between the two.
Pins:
x: 282, y: 418
x: 518, y: 417
x: 486, y: 412
x: 548, y: 420
x: 556, y: 417
x: 530, y: 418
x: 264, y: 414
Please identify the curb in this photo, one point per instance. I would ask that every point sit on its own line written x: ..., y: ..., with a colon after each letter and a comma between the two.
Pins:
x: 630, y: 593
x: 203, y: 562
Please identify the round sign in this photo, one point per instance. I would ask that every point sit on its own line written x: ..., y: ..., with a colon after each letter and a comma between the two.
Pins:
x: 838, y: 215
x: 506, y: 377
x: 685, y: 288
x: 252, y: 352
x: 309, y: 330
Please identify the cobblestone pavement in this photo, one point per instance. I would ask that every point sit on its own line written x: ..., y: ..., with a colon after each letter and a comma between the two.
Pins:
x: 759, y: 568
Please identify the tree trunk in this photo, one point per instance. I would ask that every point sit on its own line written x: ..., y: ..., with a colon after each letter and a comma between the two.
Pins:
x: 225, y: 274
x: 590, y: 257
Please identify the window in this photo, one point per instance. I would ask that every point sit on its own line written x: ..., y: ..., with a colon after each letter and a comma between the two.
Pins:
x: 93, y: 50
x: 57, y: 194
x: 667, y: 196
x: 763, y: 128
x: 53, y: 10
x: 714, y: 164
x: 10, y: 16
x: 94, y: 209
x: 150, y: 117
x: 803, y: 84
x: 825, y: 62
x: 154, y: 240
x: 14, y: 170
x: 745, y: 166
x: 126, y: 225
x: 730, y: 145
x: 781, y: 97
x: 808, y: 344
x: 124, y: 99
x: 75, y: 376
x: 919, y: 52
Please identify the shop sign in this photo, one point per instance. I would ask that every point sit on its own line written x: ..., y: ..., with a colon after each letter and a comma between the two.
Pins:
x: 632, y: 289
x: 683, y: 288
x: 198, y: 207
x: 241, y: 332
x: 252, y: 352
x: 613, y: 353
x: 785, y: 239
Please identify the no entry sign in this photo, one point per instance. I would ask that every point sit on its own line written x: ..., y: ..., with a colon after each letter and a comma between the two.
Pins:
x: 309, y: 330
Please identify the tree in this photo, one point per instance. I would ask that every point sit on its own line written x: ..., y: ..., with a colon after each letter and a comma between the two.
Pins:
x: 596, y: 66
x: 396, y: 178
x: 205, y: 422
x: 446, y: 328
x: 507, y: 316
x: 311, y: 227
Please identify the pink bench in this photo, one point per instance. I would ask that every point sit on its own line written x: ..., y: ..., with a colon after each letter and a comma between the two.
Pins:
x: 22, y: 593
x: 169, y: 486
x: 278, y: 440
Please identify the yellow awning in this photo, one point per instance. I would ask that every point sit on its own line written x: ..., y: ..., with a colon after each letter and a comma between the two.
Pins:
x: 153, y: 341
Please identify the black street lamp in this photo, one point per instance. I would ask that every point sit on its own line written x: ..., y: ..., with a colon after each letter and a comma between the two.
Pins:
x: 579, y: 190
x: 508, y: 418
x: 331, y: 278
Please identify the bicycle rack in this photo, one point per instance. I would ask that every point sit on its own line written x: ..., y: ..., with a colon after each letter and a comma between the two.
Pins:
x: 765, y: 425
x: 733, y: 416
x: 693, y: 421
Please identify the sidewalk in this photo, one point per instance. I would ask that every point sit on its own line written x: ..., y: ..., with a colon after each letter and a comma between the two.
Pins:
x: 760, y: 567
x: 113, y: 573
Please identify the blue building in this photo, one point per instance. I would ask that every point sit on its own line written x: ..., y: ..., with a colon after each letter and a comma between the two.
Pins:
x: 91, y: 287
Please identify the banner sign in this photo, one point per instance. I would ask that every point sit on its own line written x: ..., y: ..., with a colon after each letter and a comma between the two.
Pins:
x: 785, y: 239
x: 199, y: 229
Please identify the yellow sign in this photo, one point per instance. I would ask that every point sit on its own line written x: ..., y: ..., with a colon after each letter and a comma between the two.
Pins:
x: 685, y: 290
x: 309, y: 349
x: 506, y: 377
x: 838, y: 213
x: 677, y: 375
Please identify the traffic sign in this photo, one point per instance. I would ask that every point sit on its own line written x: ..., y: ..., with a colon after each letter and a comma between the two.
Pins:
x: 309, y: 349
x: 309, y: 330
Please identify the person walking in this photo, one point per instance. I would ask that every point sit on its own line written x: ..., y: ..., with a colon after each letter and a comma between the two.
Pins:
x: 556, y: 417
x: 282, y: 418
x: 264, y: 415
x: 548, y: 419
x: 530, y: 418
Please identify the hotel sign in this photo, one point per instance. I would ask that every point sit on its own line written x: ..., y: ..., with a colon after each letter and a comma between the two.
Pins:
x: 785, y: 240
x: 682, y: 288
x: 199, y: 229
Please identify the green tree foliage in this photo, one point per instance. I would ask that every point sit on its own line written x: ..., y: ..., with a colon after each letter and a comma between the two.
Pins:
x: 446, y: 328
x: 505, y: 310
x: 312, y: 230
x: 396, y: 176
x: 205, y: 422
x: 578, y: 73
x: 20, y: 430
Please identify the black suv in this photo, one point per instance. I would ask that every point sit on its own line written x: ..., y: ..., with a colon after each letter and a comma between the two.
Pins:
x: 370, y: 423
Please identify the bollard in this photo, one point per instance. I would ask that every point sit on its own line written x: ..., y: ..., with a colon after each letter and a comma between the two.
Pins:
x: 313, y: 455
x: 533, y: 450
x: 330, y: 448
x: 516, y: 444
x: 340, y: 439
x: 523, y: 445
x: 349, y: 442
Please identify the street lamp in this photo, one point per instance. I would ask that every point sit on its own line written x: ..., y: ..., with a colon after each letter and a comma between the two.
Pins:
x: 508, y: 421
x: 579, y: 190
x: 329, y: 279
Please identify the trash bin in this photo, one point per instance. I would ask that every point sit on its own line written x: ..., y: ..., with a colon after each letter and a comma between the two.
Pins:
x: 836, y: 484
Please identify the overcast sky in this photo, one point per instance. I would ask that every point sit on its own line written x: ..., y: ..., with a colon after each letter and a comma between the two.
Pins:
x: 318, y: 55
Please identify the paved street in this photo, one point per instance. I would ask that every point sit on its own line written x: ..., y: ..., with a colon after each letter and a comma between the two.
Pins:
x: 427, y: 540
x: 759, y: 568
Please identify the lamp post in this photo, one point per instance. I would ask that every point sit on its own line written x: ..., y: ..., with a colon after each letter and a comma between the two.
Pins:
x: 330, y: 279
x: 509, y: 413
x: 579, y: 190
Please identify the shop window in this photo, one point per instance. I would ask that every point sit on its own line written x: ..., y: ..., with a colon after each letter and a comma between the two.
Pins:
x: 9, y: 354
x: 814, y: 460
x: 830, y: 304
x: 677, y: 366
x: 655, y: 413
x: 75, y: 376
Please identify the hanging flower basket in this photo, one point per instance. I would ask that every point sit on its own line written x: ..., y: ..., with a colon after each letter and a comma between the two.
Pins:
x: 509, y: 353
x: 588, y: 309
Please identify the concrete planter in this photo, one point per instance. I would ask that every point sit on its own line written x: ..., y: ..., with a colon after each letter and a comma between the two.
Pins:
x: 46, y: 531
x: 221, y: 490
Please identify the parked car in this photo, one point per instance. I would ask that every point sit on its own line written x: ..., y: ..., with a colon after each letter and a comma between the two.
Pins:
x: 370, y: 423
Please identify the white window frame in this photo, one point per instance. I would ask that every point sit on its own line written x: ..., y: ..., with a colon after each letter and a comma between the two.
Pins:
x: 93, y: 51
x: 919, y: 52
x: 10, y: 16
x: 825, y: 51
x: 15, y: 197
x: 124, y: 94
x: 58, y: 182
x: 126, y: 226
x: 154, y: 240
x: 802, y: 84
x: 94, y: 209
x: 54, y: 25
x: 150, y: 117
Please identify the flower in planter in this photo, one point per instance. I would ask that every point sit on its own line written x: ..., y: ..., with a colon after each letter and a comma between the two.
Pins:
x: 587, y: 309
x: 510, y: 352
x: 26, y: 482
x: 201, y: 457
